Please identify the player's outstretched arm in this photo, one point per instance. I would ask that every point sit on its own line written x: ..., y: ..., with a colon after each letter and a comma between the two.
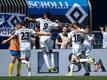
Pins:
x: 43, y: 33
x: 5, y: 41
x: 83, y: 31
x: 30, y: 19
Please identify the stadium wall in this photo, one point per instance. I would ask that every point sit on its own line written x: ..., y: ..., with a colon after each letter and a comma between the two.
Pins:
x: 61, y: 61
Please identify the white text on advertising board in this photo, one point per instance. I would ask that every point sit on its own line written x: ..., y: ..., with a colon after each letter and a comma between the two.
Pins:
x: 49, y: 4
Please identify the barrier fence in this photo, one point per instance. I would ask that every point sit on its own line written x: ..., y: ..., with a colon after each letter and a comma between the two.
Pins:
x: 61, y: 63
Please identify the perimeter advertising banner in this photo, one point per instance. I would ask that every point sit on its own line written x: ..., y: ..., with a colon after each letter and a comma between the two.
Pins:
x: 65, y: 10
x: 61, y: 61
x: 8, y: 22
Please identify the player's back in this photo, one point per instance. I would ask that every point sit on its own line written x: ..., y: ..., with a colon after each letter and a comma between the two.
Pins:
x: 24, y: 35
x: 76, y: 37
x: 46, y: 24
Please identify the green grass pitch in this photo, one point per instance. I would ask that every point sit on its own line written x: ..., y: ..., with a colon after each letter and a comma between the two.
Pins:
x: 56, y: 78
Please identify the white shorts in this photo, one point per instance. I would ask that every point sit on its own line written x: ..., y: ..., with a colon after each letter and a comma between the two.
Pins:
x: 77, y: 49
x: 48, y: 44
x: 25, y: 54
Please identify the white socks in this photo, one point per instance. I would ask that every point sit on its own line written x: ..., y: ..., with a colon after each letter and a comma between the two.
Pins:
x: 28, y: 66
x: 83, y: 60
x: 71, y: 68
x: 45, y: 56
x: 52, y: 60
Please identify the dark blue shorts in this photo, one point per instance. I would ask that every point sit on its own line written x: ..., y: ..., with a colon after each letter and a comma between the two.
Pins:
x: 15, y: 53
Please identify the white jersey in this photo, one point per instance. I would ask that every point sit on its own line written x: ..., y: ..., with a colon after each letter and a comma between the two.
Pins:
x: 104, y: 39
x: 24, y: 35
x: 45, y: 26
x: 76, y: 39
x: 86, y: 38
x: 87, y: 44
x: 87, y: 41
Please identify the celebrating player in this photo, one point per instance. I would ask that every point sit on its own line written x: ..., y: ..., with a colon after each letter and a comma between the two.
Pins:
x: 78, y: 48
x: 46, y: 43
x: 89, y: 40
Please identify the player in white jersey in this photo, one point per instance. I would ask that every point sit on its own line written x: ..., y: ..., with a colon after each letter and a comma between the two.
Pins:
x: 46, y: 43
x: 104, y: 32
x: 76, y: 38
x: 24, y: 35
x: 88, y: 44
x: 77, y: 47
x: 88, y: 40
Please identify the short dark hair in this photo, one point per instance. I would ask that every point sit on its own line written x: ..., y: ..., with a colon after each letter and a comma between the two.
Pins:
x: 18, y: 23
x: 77, y: 23
x: 87, y: 27
x: 48, y: 14
x: 24, y: 23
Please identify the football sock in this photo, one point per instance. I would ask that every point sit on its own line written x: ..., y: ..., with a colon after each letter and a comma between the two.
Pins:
x: 29, y: 68
x: 11, y: 66
x: 83, y: 60
x: 71, y: 68
x: 52, y: 60
x: 18, y: 67
x: 45, y: 56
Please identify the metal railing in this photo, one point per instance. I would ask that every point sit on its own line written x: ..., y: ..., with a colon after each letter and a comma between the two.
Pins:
x: 13, y: 6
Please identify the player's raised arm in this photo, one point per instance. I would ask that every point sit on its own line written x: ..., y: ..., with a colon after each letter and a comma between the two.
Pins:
x: 11, y: 37
x: 5, y: 41
x: 102, y: 29
x: 55, y: 24
x: 31, y: 19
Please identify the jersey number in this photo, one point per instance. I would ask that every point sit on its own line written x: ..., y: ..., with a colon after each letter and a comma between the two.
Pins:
x: 77, y: 38
x: 45, y: 26
x: 25, y: 36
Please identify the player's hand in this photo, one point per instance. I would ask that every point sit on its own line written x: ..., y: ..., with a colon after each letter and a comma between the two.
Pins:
x: 4, y: 41
x: 101, y: 28
x: 48, y: 34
